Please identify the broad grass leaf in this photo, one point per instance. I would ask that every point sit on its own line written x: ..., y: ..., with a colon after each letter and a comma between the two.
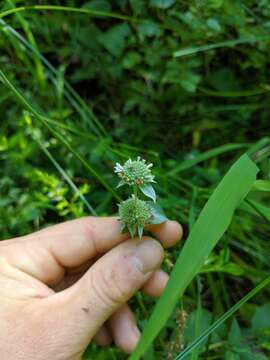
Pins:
x: 208, y: 229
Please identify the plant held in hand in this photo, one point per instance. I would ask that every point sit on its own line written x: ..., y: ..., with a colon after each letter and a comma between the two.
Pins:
x: 136, y: 213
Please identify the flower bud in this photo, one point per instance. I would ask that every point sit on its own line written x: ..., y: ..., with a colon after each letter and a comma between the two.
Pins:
x: 135, y: 214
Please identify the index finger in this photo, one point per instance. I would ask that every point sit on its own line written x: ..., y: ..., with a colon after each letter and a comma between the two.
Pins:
x: 74, y: 242
x: 46, y: 253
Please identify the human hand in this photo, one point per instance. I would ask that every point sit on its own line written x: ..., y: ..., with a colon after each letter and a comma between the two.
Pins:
x: 67, y: 284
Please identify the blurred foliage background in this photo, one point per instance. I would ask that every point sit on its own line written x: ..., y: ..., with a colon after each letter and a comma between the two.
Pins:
x: 118, y: 88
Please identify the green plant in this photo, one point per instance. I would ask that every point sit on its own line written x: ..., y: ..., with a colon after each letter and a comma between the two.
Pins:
x: 208, y: 229
x: 135, y: 213
x: 183, y: 83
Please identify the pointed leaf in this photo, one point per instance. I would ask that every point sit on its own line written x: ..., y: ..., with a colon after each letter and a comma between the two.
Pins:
x: 140, y: 231
x: 148, y: 191
x: 261, y: 185
x: 121, y: 183
x: 158, y: 214
x: 235, y: 336
x: 123, y: 227
x: 132, y: 230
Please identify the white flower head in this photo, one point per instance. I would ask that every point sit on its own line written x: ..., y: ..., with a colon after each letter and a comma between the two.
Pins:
x: 134, y: 172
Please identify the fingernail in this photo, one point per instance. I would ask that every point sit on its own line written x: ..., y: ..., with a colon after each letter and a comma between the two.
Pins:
x: 148, y: 255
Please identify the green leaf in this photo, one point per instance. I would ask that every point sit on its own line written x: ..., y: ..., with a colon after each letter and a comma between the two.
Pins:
x: 229, y: 268
x: 100, y: 5
x: 235, y: 336
x: 124, y: 227
x: 229, y: 355
x: 121, y: 183
x: 261, y: 185
x: 114, y: 39
x: 162, y: 4
x: 261, y: 318
x: 66, y: 177
x: 222, y: 319
x: 194, y: 327
x: 46, y: 122
x: 148, y: 28
x: 208, y: 229
x: 148, y: 191
x: 158, y: 214
x: 132, y: 230
x: 140, y: 231
x: 187, y: 164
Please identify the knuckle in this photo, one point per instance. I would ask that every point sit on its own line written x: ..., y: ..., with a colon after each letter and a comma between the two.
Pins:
x: 89, y: 233
x: 88, y: 228
x: 101, y: 288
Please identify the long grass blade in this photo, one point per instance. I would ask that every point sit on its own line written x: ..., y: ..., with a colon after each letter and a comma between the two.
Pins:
x: 222, y: 319
x: 92, y: 12
x: 208, y: 229
x: 260, y: 209
x: 222, y: 44
x: 233, y: 94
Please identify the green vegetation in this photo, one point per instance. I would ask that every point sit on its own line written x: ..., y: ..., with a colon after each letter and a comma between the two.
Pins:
x: 185, y: 85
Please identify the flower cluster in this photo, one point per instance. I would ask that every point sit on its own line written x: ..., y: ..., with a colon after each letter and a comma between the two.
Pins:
x: 136, y: 213
x: 134, y: 172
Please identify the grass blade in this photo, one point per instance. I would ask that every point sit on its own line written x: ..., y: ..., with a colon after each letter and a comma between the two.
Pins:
x: 222, y: 319
x: 234, y: 94
x: 208, y: 229
x: 71, y: 95
x: 66, y: 177
x: 44, y: 121
x: 187, y: 164
x: 261, y: 185
x: 222, y: 44
x: 260, y: 209
x: 91, y: 12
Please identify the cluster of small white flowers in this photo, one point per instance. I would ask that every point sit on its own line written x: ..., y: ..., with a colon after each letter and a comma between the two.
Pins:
x: 134, y: 172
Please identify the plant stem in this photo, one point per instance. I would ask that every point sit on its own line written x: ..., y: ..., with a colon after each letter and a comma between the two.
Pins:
x: 135, y: 189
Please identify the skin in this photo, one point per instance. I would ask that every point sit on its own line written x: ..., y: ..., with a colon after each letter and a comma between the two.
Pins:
x: 69, y: 284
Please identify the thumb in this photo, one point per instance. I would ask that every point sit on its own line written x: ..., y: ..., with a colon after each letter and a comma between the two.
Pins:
x: 106, y: 286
